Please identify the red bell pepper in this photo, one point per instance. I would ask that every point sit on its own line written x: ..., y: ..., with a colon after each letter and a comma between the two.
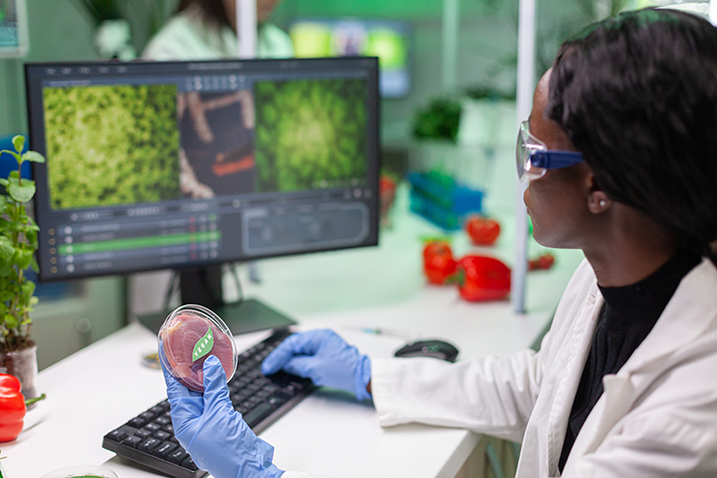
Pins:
x: 438, y: 262
x: 12, y: 407
x: 482, y: 278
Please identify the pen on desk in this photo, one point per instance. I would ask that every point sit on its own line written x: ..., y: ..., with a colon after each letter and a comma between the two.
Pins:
x: 388, y: 332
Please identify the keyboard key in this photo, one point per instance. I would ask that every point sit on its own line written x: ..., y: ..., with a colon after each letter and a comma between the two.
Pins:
x: 152, y: 427
x: 147, y: 445
x: 132, y: 441
x: 143, y: 434
x: 147, y: 415
x: 177, y: 456
x: 137, y: 422
x: 161, y: 421
x: 117, y: 435
x: 162, y: 435
x: 188, y: 463
x: 164, y: 449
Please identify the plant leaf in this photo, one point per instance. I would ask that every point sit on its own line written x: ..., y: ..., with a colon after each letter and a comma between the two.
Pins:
x: 22, y: 193
x: 28, y: 288
x: 24, y: 257
x: 18, y: 142
x: 6, y: 249
x: 33, y: 156
x: 10, y: 321
x: 5, y: 296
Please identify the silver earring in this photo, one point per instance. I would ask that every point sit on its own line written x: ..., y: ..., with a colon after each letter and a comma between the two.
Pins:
x: 602, y: 203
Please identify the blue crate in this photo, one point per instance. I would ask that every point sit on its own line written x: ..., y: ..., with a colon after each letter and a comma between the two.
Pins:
x: 442, y: 200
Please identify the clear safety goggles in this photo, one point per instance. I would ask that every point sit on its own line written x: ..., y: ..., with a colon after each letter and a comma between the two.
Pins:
x: 533, y: 157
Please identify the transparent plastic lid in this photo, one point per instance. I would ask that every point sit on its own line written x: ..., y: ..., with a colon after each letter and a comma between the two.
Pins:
x: 189, y: 335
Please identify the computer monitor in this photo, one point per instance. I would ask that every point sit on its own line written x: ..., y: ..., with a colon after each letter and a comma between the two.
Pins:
x: 389, y: 40
x: 189, y: 165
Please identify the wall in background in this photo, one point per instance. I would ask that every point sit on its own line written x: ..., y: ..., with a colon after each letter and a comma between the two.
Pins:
x: 58, y: 32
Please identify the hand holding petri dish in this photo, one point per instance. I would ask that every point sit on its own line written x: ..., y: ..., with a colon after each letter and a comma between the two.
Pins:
x: 189, y: 335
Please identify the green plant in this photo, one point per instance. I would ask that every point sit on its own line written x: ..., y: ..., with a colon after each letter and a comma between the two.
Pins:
x: 439, y: 121
x: 18, y: 243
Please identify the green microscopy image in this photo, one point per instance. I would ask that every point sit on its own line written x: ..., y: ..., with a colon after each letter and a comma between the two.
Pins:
x: 310, y: 134
x: 111, y: 145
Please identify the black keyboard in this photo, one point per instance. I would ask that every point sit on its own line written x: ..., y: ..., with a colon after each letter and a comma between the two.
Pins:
x: 149, y: 438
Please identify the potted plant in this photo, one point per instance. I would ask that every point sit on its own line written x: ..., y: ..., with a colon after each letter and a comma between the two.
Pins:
x: 18, y: 243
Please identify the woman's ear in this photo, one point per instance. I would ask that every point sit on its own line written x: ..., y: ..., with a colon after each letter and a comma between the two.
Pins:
x: 598, y: 201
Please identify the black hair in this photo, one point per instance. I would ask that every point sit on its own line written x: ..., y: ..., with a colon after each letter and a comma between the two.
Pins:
x: 212, y: 11
x: 637, y: 95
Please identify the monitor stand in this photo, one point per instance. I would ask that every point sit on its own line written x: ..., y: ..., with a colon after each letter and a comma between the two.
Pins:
x: 204, y: 286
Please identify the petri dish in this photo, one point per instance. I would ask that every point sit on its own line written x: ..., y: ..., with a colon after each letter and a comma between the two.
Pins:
x: 81, y: 471
x: 189, y: 335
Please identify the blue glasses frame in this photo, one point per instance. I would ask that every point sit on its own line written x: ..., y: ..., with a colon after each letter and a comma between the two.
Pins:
x: 534, y: 159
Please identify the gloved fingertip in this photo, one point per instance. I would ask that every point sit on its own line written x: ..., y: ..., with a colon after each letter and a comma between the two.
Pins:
x: 268, y: 366
x: 213, y: 370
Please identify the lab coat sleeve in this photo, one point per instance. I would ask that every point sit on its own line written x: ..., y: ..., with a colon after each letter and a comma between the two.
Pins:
x: 487, y: 395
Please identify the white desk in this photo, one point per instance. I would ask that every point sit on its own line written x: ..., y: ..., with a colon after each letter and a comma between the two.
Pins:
x: 102, y: 386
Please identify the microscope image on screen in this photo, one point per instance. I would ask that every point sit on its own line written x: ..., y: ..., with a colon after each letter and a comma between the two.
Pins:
x: 217, y: 143
x: 310, y: 134
x: 106, y: 149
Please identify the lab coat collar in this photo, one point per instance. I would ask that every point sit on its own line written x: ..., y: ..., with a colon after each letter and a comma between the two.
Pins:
x: 684, y: 319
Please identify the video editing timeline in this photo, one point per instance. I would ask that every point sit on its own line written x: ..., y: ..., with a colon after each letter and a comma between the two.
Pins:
x: 159, y: 165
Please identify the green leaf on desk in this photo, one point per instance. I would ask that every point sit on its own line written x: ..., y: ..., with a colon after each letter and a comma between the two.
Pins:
x: 203, y: 346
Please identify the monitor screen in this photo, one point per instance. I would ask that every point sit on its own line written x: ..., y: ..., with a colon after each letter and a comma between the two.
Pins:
x: 189, y: 164
x: 387, y: 40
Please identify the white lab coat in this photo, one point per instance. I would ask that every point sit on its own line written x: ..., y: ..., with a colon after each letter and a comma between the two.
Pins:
x: 656, y: 418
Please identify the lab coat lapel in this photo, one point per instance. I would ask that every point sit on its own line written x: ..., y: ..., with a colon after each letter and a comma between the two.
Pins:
x: 573, y: 355
x: 683, y: 320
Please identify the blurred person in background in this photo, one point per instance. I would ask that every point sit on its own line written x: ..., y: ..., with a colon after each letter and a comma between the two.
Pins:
x: 207, y: 30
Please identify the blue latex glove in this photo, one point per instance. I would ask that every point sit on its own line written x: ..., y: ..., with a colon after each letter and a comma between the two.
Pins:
x: 213, y: 433
x: 325, y: 358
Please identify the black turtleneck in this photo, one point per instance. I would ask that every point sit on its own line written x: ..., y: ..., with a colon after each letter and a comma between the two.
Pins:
x: 627, y: 317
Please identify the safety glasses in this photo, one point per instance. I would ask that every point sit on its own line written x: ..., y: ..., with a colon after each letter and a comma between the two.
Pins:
x: 533, y: 157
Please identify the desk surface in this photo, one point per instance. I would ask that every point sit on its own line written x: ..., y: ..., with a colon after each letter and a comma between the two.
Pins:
x: 102, y: 386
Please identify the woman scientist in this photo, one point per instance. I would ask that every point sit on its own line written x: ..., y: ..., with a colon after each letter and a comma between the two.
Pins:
x: 620, y: 155
x: 206, y: 30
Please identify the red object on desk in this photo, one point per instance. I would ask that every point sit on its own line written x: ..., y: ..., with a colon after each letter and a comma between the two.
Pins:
x: 12, y: 408
x: 542, y: 263
x: 481, y: 278
x: 438, y: 262
x: 483, y: 231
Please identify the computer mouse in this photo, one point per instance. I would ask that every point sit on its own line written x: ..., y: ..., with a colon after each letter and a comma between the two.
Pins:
x: 429, y: 348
